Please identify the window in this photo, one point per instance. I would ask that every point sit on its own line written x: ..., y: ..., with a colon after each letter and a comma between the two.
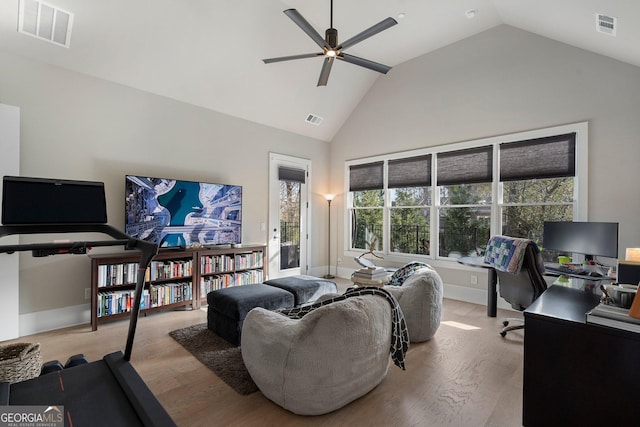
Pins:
x: 537, y: 178
x: 446, y: 202
x: 409, y: 184
x: 367, y: 200
x: 464, y: 181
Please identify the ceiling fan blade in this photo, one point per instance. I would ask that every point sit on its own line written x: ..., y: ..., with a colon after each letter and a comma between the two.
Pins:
x: 381, y: 68
x: 326, y: 69
x: 306, y: 27
x: 292, y: 57
x: 372, y: 31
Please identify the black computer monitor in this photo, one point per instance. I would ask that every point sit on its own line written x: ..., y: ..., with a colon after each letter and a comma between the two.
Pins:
x: 589, y: 238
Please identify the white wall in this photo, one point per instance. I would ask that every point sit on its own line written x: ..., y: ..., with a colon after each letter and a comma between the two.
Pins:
x: 9, y: 165
x: 78, y: 127
x: 504, y: 81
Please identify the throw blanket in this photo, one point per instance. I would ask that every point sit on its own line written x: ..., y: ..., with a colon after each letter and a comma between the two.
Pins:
x: 506, y: 253
x: 399, y: 333
x: 403, y: 273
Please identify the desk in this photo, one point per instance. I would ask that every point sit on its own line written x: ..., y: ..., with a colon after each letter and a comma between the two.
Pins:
x: 492, y: 293
x: 576, y: 281
x: 577, y: 374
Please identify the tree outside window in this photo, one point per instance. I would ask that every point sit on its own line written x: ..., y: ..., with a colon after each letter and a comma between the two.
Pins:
x: 465, y: 219
x: 528, y: 204
x: 366, y: 219
x: 409, y: 217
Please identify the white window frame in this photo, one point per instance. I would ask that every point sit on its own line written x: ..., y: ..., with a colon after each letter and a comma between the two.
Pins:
x: 580, y: 187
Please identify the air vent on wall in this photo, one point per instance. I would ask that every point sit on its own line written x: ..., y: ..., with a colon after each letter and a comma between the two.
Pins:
x: 314, y: 120
x: 606, y: 24
x: 46, y: 22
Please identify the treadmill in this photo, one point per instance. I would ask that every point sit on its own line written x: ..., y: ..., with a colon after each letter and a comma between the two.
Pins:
x: 107, y: 392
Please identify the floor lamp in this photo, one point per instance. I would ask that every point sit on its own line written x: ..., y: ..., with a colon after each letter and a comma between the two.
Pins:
x: 329, y: 198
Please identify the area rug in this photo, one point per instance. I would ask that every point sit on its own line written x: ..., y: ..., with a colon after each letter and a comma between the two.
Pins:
x: 224, y: 359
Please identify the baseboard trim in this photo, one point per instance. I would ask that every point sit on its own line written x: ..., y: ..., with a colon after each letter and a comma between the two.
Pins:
x: 472, y: 295
x: 49, y: 320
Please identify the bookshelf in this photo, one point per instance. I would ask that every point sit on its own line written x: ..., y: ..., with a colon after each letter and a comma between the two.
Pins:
x: 174, y: 279
x: 222, y: 268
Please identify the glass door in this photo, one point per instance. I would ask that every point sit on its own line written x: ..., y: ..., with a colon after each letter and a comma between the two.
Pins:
x: 288, y: 215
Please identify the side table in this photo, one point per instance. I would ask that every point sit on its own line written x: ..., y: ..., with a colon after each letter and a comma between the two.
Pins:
x: 362, y: 282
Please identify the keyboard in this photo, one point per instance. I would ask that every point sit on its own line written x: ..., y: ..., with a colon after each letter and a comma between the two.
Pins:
x: 563, y: 269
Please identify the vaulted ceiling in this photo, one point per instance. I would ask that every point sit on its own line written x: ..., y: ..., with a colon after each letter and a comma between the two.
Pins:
x: 209, y: 52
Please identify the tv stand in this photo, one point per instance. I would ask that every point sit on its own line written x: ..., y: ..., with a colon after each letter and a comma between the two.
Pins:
x: 220, y: 246
x: 187, y: 275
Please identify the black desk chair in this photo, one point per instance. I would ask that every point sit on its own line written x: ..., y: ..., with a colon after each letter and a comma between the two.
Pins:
x: 522, y: 288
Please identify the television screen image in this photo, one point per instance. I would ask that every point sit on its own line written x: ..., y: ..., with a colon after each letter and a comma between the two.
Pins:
x: 175, y: 213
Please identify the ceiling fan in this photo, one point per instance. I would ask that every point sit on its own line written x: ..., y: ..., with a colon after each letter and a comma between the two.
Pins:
x: 330, y: 47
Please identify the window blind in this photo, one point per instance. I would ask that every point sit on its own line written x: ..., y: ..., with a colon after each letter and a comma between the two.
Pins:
x: 291, y: 174
x: 409, y: 172
x: 366, y: 177
x: 550, y: 157
x: 470, y: 166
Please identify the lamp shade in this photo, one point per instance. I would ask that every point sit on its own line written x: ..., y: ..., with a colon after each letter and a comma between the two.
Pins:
x: 632, y: 254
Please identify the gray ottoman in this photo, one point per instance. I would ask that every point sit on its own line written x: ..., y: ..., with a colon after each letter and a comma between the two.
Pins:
x: 305, y: 289
x: 228, y: 307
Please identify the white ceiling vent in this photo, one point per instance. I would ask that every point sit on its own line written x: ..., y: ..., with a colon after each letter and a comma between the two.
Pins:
x: 314, y: 120
x: 606, y: 24
x: 46, y: 22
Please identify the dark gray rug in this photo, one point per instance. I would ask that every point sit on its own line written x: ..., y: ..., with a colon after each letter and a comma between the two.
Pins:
x: 224, y: 359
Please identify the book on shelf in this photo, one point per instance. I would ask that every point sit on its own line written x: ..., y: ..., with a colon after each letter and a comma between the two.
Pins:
x: 614, y: 317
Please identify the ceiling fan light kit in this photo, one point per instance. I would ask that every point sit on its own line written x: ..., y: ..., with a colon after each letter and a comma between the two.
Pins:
x: 330, y: 47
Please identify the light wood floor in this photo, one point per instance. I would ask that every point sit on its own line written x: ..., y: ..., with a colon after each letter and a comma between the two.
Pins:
x: 466, y: 376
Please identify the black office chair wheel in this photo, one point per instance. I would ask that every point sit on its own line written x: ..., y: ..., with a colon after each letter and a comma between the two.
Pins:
x: 503, y: 334
x: 505, y: 323
x: 51, y: 366
x: 75, y: 360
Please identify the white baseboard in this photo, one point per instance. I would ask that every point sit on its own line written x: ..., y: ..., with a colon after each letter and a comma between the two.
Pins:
x: 472, y: 295
x: 48, y: 320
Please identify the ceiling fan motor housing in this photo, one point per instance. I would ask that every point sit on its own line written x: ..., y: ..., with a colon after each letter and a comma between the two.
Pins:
x: 331, y: 37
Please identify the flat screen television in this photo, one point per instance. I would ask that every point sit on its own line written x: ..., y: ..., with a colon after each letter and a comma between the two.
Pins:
x: 174, y: 213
